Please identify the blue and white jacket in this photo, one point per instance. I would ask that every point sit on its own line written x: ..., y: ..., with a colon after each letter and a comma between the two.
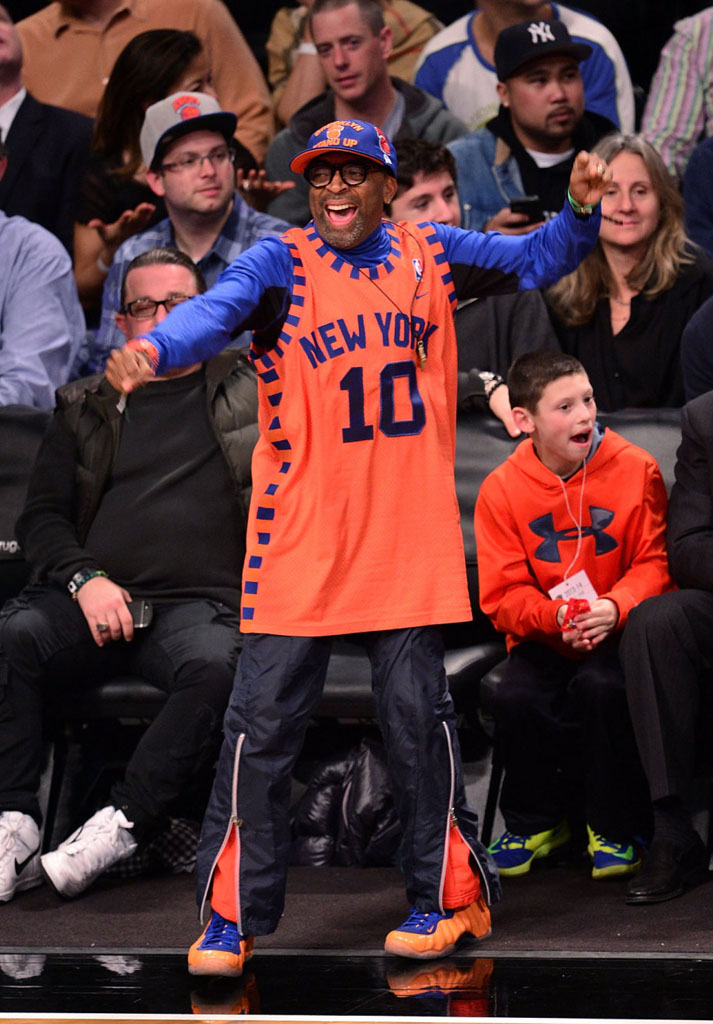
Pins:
x: 453, y: 69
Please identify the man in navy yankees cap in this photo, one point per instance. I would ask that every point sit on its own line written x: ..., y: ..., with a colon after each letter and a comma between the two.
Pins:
x: 526, y: 151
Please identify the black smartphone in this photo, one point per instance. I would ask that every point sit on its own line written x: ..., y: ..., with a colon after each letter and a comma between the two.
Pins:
x: 141, y: 613
x: 530, y: 205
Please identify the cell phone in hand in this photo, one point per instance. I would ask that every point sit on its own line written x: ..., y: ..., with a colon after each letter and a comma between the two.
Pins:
x: 141, y: 613
x: 529, y: 205
x: 575, y: 606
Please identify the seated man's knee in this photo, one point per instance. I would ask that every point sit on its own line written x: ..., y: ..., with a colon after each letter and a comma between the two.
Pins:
x: 20, y: 634
x: 652, y: 614
x: 212, y: 679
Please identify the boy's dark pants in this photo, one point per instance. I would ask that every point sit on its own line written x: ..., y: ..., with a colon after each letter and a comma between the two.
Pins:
x: 563, y: 730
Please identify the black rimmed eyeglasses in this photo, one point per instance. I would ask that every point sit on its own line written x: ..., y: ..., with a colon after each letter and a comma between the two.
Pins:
x: 319, y: 173
x: 144, y: 309
x: 194, y: 161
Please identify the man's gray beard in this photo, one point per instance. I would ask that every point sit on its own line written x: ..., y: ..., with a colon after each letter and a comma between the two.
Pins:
x: 342, y: 238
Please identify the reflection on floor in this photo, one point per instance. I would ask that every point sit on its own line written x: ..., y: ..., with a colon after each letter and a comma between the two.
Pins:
x: 374, y: 986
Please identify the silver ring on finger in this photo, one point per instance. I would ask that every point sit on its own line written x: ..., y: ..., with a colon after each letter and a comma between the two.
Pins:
x: 102, y: 627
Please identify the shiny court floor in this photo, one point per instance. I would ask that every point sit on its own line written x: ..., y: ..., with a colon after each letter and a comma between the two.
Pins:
x: 284, y: 984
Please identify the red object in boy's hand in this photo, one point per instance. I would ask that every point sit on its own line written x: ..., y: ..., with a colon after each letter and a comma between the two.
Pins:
x: 575, y: 606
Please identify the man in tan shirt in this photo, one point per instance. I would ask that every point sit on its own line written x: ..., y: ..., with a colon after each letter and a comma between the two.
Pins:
x: 70, y: 47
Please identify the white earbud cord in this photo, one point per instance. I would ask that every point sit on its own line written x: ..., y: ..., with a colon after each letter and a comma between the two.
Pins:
x: 577, y: 523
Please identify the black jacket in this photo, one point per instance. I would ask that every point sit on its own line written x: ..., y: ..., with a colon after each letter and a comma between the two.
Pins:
x: 689, y: 532
x: 640, y: 367
x: 48, y: 148
x: 78, y: 450
x: 347, y: 815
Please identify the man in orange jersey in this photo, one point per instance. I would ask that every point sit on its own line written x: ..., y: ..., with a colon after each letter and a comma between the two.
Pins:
x: 354, y: 524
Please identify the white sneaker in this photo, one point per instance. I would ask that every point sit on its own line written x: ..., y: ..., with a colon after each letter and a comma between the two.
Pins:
x: 119, y: 963
x: 22, y: 965
x: 100, y: 842
x: 19, y: 853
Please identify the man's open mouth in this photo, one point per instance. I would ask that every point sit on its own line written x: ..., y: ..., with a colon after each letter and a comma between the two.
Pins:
x: 340, y: 214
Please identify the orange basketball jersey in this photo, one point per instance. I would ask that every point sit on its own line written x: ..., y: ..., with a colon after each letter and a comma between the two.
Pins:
x: 354, y: 523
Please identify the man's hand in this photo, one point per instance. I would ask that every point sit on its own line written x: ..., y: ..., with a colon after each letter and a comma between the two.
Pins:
x: 256, y: 190
x: 500, y: 406
x: 590, y: 627
x: 509, y: 223
x: 589, y: 179
x: 131, y: 222
x: 104, y: 604
x: 128, y: 369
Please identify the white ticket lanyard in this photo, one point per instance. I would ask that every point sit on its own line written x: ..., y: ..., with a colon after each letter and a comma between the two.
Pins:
x: 577, y: 522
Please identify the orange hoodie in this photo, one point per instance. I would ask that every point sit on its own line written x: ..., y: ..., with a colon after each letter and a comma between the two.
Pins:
x: 527, y: 539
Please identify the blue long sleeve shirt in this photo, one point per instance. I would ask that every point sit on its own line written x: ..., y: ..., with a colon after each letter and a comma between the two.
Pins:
x: 254, y: 292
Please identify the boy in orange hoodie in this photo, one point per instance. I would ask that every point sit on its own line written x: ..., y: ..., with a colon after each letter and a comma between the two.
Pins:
x: 575, y: 513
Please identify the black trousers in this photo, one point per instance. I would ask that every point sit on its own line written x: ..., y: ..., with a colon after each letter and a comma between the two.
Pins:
x: 564, y: 732
x: 190, y: 651
x: 667, y: 654
x: 277, y: 688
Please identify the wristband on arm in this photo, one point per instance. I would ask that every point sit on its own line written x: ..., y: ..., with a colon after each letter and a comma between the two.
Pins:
x: 81, y: 577
x: 145, y: 347
x: 581, y: 209
x: 491, y: 382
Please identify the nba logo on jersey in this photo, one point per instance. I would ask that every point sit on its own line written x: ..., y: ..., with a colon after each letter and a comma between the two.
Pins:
x: 417, y: 269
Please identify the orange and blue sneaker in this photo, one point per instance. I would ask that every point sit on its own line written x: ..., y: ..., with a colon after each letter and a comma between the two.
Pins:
x: 464, y: 989
x: 425, y: 935
x: 221, y: 950
x: 514, y: 854
x: 442, y: 979
x: 226, y: 996
x: 610, y: 859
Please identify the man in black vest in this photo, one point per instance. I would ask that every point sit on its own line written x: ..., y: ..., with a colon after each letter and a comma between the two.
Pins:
x: 134, y: 525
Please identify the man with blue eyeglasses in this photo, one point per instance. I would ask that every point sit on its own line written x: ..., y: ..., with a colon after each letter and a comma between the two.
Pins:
x: 186, y: 144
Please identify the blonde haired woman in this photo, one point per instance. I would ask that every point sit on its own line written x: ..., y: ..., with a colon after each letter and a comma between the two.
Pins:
x: 622, y: 312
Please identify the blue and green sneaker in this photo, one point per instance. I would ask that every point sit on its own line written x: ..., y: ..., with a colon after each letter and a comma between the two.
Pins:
x: 514, y: 854
x: 609, y: 859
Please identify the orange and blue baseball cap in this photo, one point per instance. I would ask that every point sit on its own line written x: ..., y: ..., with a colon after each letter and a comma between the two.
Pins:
x: 357, y: 138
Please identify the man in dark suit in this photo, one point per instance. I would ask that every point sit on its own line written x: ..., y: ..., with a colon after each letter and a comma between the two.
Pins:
x: 48, y: 147
x: 667, y: 652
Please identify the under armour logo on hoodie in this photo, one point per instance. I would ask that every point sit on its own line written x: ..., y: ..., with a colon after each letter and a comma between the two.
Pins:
x: 548, y: 550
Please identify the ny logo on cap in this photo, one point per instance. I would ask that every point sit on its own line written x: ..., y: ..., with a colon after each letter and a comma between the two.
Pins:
x: 541, y: 32
x: 383, y: 144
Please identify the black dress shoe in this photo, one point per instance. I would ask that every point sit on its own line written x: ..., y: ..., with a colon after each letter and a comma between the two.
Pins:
x: 668, y: 869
